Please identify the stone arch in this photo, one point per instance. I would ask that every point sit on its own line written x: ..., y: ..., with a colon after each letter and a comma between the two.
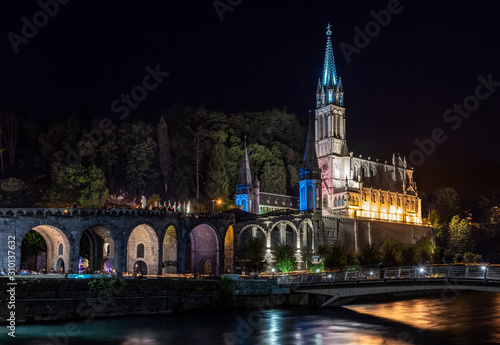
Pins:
x: 229, y: 250
x: 55, y: 238
x: 170, y: 246
x: 244, y: 235
x: 206, y: 267
x: 140, y: 267
x: 143, y: 233
x: 245, y: 229
x: 306, y: 232
x: 283, y: 232
x: 60, y: 266
x: 202, y: 244
x: 102, y: 247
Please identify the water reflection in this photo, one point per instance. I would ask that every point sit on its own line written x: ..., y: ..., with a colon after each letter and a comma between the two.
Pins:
x: 470, y: 318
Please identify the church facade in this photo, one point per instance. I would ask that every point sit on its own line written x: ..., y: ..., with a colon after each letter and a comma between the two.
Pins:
x: 332, y: 180
x: 357, y: 187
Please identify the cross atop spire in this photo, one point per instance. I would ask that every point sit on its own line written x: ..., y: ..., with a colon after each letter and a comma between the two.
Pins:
x: 329, y: 73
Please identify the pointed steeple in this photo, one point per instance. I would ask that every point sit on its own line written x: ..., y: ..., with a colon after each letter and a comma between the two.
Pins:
x: 329, y: 73
x: 310, y: 156
x: 245, y: 174
x: 331, y: 91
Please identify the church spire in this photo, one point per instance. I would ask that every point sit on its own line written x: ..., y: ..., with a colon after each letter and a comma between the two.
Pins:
x: 245, y: 174
x: 329, y: 80
x: 310, y: 157
x: 329, y: 73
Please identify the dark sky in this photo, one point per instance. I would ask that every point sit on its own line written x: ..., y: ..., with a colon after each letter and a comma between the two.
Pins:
x: 267, y: 54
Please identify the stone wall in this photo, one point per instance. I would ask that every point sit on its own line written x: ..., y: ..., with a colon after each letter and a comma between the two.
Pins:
x: 71, y: 299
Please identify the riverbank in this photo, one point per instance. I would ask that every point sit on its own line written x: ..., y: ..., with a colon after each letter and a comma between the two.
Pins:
x: 43, y: 299
x: 85, y: 299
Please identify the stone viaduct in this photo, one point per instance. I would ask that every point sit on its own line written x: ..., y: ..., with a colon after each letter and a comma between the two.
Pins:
x: 154, y: 241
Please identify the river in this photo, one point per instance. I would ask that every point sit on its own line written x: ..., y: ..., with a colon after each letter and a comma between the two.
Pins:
x: 471, y: 318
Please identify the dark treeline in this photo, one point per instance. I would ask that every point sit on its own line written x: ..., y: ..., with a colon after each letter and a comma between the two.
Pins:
x: 184, y: 154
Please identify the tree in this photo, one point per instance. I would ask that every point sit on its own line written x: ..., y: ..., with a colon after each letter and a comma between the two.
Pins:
x: 273, y: 179
x: 32, y: 131
x: 391, y: 252
x: 10, y: 125
x: 32, y: 245
x: 85, y: 184
x: 152, y: 200
x: 254, y: 261
x: 217, y: 186
x: 334, y: 256
x: 285, y: 258
x: 369, y: 256
x: 164, y: 157
x: 460, y: 235
x: 447, y: 204
x: 140, y: 150
x: 199, y: 146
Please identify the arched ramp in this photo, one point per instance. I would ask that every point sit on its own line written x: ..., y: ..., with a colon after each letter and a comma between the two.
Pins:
x: 145, y: 235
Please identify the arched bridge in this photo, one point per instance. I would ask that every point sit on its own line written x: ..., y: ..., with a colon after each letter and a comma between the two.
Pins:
x: 150, y: 241
x: 341, y: 288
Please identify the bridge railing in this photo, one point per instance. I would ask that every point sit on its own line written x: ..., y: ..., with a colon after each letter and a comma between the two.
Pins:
x: 480, y: 273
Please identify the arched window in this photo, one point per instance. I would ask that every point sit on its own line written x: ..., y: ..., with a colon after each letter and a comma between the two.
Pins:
x: 365, y: 196
x: 382, y: 199
x: 343, y: 201
x: 60, y: 249
x: 325, y: 201
x: 335, y: 202
x: 140, y: 250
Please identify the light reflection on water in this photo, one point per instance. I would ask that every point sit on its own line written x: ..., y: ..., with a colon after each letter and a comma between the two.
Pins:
x: 471, y: 318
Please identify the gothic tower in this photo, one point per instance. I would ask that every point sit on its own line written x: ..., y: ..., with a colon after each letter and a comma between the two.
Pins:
x: 247, y: 192
x: 330, y: 111
x: 310, y: 177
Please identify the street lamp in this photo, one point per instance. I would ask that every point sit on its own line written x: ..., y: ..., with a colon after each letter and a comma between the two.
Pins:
x: 273, y: 272
x: 213, y: 206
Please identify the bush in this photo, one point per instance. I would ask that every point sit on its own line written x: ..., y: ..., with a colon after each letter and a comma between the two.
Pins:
x: 107, y: 285
x: 285, y: 259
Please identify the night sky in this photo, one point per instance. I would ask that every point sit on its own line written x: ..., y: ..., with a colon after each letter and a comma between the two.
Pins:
x: 269, y: 54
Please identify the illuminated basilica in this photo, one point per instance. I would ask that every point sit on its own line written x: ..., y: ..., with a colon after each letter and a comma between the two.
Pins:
x: 356, y: 186
x: 332, y: 179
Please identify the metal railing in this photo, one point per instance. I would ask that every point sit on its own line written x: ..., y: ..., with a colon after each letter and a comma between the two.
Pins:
x: 476, y: 273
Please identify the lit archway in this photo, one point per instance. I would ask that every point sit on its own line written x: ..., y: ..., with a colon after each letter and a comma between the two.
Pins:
x: 140, y: 267
x: 202, y: 244
x: 58, y: 248
x: 229, y: 251
x: 283, y: 232
x: 170, y: 251
x: 249, y: 231
x: 96, y: 249
x: 145, y: 235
